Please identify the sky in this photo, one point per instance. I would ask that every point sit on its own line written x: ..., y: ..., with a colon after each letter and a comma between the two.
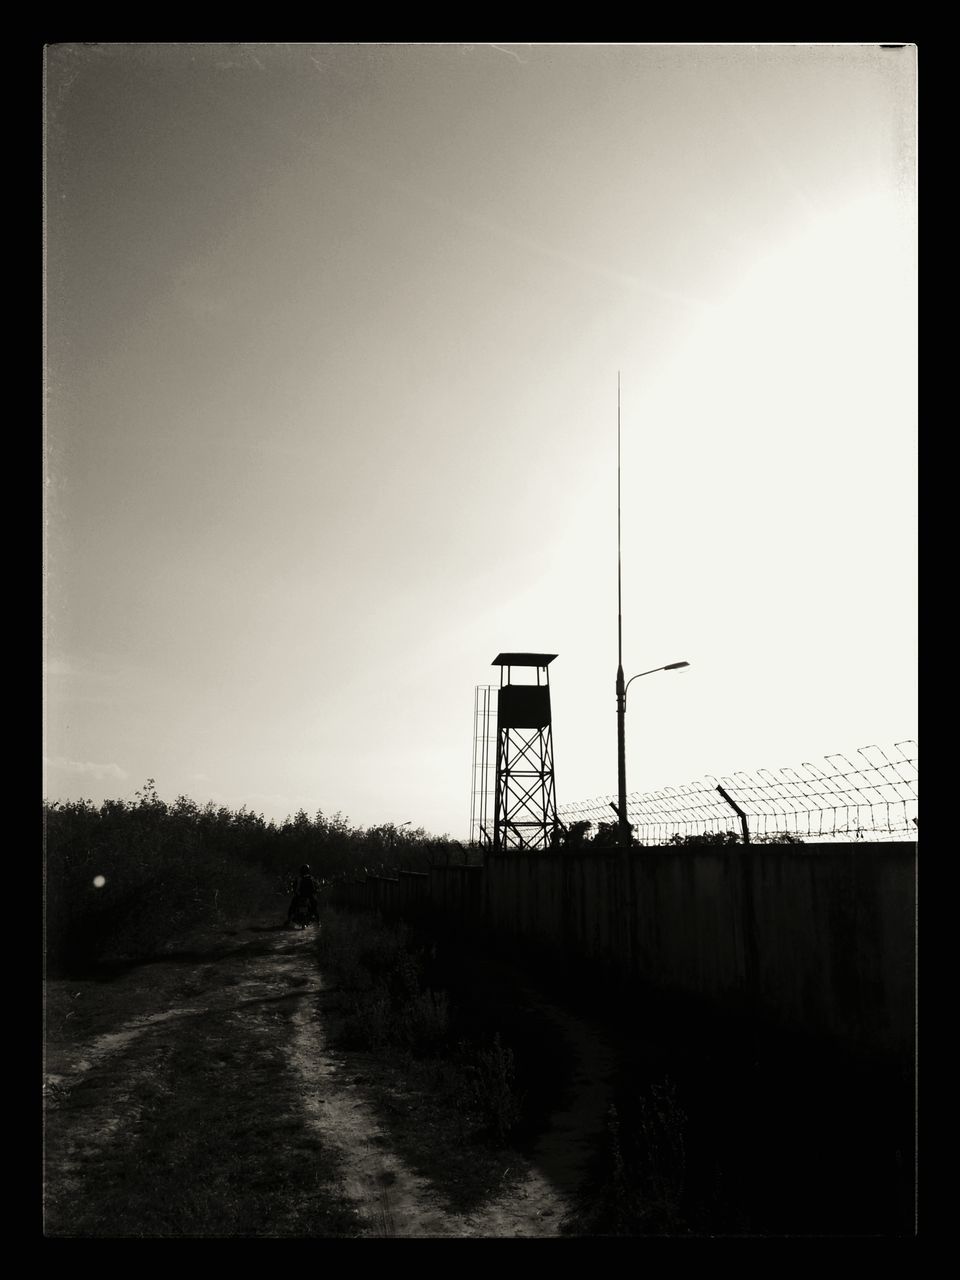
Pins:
x: 333, y: 338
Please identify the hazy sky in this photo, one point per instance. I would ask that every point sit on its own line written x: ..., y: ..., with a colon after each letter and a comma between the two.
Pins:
x: 333, y: 335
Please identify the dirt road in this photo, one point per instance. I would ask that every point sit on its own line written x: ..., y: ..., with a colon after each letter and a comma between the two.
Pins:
x: 200, y: 1094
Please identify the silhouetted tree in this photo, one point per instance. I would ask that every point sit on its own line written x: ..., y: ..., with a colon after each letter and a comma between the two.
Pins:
x: 574, y: 836
x: 608, y: 834
x: 706, y: 838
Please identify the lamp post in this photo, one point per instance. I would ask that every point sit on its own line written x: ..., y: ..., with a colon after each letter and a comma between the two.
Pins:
x: 623, y: 826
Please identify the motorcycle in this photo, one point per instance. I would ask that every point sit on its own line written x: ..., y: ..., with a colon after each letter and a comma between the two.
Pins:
x: 302, y: 913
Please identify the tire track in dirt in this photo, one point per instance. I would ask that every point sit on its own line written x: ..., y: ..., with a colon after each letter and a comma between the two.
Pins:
x: 119, y: 1107
x: 105, y: 1046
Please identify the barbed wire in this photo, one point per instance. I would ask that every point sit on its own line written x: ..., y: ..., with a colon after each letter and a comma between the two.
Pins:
x: 872, y: 796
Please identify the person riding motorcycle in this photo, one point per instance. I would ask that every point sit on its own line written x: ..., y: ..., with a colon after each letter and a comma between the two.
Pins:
x: 305, y: 891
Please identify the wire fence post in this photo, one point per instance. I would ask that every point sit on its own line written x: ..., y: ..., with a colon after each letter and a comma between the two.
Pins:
x: 740, y: 814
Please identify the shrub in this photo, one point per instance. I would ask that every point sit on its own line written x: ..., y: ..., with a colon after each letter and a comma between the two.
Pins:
x: 490, y: 1075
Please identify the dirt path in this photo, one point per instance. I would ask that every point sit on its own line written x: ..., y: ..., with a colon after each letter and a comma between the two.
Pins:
x: 200, y: 1095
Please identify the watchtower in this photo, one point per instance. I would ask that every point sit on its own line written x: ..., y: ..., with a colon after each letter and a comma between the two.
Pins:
x: 526, y: 799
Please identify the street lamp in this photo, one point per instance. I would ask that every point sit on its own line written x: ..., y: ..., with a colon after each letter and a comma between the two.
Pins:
x: 623, y: 827
x: 671, y: 666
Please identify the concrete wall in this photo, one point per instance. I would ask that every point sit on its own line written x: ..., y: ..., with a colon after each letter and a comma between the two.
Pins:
x: 457, y: 893
x: 817, y: 938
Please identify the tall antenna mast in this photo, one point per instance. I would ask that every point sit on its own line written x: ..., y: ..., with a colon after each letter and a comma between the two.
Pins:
x: 623, y: 835
x: 619, y: 572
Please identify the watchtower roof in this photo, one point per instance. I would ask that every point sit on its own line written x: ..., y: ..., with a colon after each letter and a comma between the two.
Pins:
x: 523, y: 659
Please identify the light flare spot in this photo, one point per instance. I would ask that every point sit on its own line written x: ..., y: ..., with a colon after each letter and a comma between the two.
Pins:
x: 99, y: 882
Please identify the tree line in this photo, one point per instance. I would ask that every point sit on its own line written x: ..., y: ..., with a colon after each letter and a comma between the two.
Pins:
x: 124, y: 876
